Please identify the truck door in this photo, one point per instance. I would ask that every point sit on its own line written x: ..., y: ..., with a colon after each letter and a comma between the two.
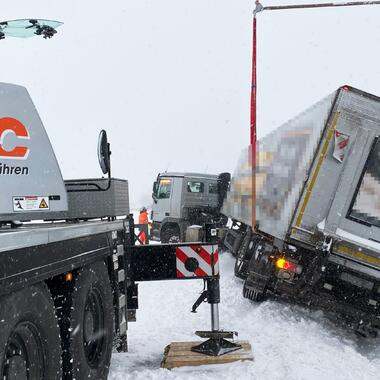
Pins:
x: 162, y: 206
x: 355, y: 212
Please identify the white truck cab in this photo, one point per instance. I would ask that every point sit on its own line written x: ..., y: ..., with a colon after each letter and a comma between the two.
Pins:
x: 184, y: 199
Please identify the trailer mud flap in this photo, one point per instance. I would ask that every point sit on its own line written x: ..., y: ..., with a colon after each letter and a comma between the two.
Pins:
x: 260, y: 270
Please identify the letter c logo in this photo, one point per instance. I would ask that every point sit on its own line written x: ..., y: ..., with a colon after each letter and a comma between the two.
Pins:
x: 11, y: 125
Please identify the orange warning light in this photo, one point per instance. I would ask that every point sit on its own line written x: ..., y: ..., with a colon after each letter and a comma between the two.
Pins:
x: 282, y: 263
x: 69, y: 276
x: 289, y: 266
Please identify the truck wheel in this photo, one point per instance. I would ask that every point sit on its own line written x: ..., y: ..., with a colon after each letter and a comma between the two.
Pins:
x: 171, y: 234
x: 91, y: 323
x: 30, y: 345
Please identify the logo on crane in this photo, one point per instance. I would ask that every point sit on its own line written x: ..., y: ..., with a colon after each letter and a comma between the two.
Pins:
x: 9, y: 126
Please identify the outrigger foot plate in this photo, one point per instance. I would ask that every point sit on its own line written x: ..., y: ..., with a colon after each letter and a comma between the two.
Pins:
x: 217, y: 344
x: 180, y: 354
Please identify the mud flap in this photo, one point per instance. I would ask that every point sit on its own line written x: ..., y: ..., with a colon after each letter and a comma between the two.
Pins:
x: 260, y: 270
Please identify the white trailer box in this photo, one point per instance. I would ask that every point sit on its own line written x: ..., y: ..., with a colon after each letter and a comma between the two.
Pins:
x: 318, y: 174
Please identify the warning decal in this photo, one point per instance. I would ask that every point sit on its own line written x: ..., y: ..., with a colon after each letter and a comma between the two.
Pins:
x: 341, y: 143
x: 43, y: 204
x: 30, y: 203
x: 197, y: 261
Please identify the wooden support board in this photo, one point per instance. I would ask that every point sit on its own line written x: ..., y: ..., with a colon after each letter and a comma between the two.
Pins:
x: 179, y: 354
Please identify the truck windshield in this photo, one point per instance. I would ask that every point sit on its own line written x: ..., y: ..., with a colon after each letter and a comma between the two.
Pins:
x: 164, y: 188
x: 365, y: 206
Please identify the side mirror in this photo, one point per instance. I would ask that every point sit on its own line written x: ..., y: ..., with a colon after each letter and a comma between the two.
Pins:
x: 155, y: 187
x: 104, y: 152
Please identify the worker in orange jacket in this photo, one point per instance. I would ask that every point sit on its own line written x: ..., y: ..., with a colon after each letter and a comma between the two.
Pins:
x: 143, y: 219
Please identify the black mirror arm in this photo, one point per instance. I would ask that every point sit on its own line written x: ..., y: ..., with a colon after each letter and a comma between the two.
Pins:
x: 109, y: 169
x: 97, y: 187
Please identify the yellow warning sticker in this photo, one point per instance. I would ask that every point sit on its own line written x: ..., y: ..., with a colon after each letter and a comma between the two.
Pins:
x: 43, y: 204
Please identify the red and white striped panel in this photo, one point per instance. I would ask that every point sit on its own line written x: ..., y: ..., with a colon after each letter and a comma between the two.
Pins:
x: 197, y: 261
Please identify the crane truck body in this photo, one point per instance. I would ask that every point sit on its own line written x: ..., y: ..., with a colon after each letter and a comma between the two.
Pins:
x: 69, y: 266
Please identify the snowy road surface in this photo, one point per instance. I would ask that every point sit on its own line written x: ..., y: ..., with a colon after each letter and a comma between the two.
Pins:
x: 288, y: 342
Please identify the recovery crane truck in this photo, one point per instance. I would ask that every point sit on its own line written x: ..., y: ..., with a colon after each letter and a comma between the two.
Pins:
x: 69, y: 266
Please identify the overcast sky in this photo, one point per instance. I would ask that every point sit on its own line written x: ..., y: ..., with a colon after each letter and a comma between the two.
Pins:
x: 170, y: 79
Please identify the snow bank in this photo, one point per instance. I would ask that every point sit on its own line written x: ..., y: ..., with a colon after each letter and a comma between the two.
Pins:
x: 289, y: 342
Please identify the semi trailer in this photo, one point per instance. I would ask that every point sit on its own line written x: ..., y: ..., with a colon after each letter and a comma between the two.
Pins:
x: 69, y: 266
x: 316, y: 239
x: 184, y: 199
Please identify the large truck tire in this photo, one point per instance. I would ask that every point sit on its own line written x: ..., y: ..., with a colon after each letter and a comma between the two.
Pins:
x: 30, y: 345
x: 171, y: 234
x: 91, y: 324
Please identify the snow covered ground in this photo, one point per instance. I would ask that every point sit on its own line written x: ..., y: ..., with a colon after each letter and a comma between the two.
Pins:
x: 289, y: 342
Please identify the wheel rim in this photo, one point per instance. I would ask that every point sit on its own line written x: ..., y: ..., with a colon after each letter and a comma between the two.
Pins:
x: 174, y: 239
x: 24, y: 354
x: 94, y: 327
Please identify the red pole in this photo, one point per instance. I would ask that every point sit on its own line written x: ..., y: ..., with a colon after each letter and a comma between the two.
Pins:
x: 253, y: 137
x: 254, y: 85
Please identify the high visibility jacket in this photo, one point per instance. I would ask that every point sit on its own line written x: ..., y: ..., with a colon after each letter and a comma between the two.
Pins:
x: 143, y: 217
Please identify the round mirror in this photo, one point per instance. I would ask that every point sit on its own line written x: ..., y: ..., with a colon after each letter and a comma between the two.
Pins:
x: 103, y: 152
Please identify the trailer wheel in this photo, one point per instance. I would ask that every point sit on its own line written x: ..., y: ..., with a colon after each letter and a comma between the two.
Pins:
x: 30, y: 345
x: 91, y: 323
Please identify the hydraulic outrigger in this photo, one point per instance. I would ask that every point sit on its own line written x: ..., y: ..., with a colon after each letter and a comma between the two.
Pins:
x: 183, y: 262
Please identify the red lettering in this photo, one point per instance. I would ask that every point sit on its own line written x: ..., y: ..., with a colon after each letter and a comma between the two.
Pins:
x: 9, y: 124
